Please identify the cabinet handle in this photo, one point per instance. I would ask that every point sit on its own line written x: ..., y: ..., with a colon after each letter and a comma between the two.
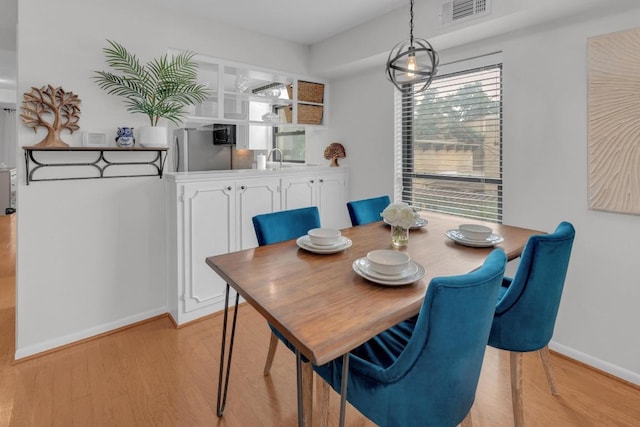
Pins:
x: 321, y: 180
x: 242, y: 187
x: 229, y: 188
x: 312, y: 181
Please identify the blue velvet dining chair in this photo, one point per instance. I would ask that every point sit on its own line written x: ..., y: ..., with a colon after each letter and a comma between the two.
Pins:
x: 528, y: 304
x: 277, y: 227
x: 425, y: 370
x: 367, y: 210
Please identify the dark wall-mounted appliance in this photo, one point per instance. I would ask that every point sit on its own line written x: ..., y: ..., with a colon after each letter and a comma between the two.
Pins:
x: 224, y: 134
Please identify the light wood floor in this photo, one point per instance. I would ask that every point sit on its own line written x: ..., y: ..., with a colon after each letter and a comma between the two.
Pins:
x: 156, y: 375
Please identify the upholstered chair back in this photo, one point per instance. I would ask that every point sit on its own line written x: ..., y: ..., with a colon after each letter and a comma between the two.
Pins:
x: 285, y: 225
x: 527, y: 307
x: 367, y: 210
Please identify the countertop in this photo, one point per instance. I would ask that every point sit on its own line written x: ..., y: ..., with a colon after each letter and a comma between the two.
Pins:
x: 286, y: 170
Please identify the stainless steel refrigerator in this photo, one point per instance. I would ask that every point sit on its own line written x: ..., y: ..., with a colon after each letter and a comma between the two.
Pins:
x: 195, y: 150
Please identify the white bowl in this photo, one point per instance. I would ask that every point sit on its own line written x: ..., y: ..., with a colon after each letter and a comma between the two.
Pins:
x: 475, y: 231
x: 324, y: 236
x: 388, y: 262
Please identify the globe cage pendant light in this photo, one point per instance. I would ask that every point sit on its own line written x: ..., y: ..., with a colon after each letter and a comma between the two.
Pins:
x: 412, y: 63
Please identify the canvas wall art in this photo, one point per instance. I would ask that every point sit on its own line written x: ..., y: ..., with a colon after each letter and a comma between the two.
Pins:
x: 614, y: 122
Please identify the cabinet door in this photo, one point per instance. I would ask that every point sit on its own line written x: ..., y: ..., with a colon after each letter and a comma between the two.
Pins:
x: 255, y: 196
x: 298, y: 192
x: 332, y: 200
x: 208, y: 229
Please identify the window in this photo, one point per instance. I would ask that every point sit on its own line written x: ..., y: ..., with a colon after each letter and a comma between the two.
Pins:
x: 449, y: 142
x: 291, y: 142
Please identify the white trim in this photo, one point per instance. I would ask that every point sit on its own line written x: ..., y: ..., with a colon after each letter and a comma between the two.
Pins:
x: 610, y: 368
x: 470, y: 63
x: 87, y: 333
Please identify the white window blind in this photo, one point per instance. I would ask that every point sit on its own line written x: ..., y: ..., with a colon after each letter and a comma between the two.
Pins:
x: 449, y: 142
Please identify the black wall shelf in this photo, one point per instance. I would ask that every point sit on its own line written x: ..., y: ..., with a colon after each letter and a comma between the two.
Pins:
x: 101, y: 163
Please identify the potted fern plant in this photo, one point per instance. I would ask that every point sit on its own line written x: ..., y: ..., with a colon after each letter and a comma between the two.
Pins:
x: 162, y: 88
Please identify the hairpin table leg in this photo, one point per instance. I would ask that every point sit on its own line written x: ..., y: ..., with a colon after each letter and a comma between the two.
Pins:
x: 299, y: 388
x: 343, y: 388
x: 222, y: 395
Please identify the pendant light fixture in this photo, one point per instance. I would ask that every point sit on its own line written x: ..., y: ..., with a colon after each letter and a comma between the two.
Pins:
x: 412, y: 63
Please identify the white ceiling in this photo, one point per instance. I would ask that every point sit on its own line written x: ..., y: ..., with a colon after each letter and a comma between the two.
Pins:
x: 301, y: 21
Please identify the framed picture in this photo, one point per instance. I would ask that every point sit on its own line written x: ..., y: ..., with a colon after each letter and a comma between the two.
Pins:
x: 94, y: 139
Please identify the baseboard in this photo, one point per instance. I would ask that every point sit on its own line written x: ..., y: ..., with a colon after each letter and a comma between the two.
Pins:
x: 205, y: 317
x: 599, y: 364
x: 90, y: 333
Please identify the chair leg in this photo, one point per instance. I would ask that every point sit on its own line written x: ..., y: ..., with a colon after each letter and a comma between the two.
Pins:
x: 467, y: 421
x: 273, y: 344
x: 516, y: 388
x: 322, y: 388
x: 546, y: 364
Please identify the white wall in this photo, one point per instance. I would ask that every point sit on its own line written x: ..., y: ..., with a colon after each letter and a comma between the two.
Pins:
x: 545, y: 173
x: 90, y: 254
x: 361, y: 118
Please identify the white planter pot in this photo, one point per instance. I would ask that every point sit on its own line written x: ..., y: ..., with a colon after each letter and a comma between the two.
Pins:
x: 153, y: 136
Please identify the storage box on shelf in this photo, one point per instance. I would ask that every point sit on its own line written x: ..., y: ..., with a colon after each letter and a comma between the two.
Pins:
x: 310, y: 98
x: 307, y: 114
x: 308, y: 92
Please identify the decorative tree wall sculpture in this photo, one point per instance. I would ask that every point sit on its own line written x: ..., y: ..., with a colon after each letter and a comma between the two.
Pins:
x: 59, y: 107
x: 333, y: 152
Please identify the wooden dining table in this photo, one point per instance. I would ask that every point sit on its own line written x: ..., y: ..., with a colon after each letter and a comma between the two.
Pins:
x: 324, y: 308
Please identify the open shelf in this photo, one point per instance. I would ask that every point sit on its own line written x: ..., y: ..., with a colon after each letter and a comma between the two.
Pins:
x: 100, y: 163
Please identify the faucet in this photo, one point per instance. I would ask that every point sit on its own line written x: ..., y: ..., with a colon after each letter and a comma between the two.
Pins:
x: 271, y: 152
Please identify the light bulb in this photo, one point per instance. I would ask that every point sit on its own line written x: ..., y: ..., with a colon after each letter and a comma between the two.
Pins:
x: 411, y: 65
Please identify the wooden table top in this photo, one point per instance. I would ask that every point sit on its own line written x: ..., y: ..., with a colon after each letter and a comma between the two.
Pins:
x: 326, y: 309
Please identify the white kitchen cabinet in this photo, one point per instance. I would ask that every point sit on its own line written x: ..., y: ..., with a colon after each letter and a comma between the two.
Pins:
x: 299, y: 192
x: 205, y: 227
x: 254, y: 197
x: 328, y: 191
x: 209, y: 218
x: 254, y: 137
x: 332, y: 200
x: 210, y: 213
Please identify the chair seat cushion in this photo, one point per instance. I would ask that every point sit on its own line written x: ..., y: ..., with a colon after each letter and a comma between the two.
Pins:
x: 503, y: 289
x: 383, y: 350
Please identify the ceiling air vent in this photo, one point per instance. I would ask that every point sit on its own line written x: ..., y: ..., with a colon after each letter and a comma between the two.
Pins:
x: 456, y: 11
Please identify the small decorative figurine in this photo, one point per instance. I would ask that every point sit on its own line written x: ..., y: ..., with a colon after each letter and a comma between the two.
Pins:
x: 333, y: 152
x: 125, y: 137
x: 60, y: 107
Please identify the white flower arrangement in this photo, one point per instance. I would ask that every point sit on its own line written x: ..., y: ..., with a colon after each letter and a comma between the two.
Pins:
x: 400, y: 214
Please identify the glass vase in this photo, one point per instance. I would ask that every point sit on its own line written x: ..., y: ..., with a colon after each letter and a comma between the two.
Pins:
x: 399, y: 236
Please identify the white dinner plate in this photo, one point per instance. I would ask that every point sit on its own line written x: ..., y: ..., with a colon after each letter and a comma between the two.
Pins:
x: 365, y: 265
x: 458, y: 237
x: 340, y: 241
x: 359, y: 267
x: 418, y: 224
x: 304, y: 243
